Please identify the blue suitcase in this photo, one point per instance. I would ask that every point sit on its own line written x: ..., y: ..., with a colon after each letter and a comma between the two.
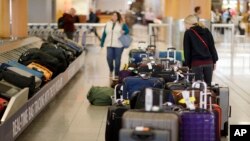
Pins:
x: 23, y: 67
x: 137, y: 83
x: 136, y: 56
x: 172, y: 53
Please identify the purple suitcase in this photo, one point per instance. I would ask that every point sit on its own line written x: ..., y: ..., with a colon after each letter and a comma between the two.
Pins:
x: 198, y: 125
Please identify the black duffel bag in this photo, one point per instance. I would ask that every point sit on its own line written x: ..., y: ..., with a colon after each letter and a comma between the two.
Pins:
x: 70, y: 53
x: 19, y: 80
x: 57, y: 52
x: 38, y: 56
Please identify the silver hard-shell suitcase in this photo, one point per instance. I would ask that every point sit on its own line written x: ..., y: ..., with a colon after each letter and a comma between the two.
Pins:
x: 168, y: 121
x: 151, y: 135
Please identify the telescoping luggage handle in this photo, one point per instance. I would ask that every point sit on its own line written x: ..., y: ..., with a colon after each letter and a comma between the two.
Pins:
x: 203, y: 95
x: 172, y: 49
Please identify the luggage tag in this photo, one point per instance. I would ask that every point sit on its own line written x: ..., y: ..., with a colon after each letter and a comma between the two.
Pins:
x: 186, y: 96
x: 150, y: 66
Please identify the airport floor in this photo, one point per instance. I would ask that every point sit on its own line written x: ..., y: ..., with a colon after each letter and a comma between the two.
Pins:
x: 70, y: 117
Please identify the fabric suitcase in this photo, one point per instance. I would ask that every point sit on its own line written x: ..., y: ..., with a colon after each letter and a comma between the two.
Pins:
x: 25, y: 68
x: 167, y: 75
x: 137, y: 83
x: 114, y: 122
x: 157, y: 100
x: 19, y: 80
x: 223, y: 101
x: 38, y: 81
x: 136, y: 56
x: 153, y: 68
x: 47, y: 74
x: 159, y: 121
x: 151, y: 135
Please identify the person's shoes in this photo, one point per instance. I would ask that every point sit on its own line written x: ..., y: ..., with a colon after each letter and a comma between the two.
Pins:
x: 116, y: 77
x: 111, y: 74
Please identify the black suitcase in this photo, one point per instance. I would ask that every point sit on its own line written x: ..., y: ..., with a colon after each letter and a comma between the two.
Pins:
x: 114, y: 121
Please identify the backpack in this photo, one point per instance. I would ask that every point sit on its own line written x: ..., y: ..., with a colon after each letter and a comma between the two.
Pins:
x: 60, y: 23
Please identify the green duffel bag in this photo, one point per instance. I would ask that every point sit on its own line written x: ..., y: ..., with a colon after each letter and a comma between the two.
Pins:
x: 100, y: 96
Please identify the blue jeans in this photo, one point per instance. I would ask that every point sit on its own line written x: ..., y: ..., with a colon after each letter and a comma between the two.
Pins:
x: 114, y: 54
x: 204, y: 72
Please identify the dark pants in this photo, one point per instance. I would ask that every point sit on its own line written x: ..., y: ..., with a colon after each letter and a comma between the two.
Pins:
x: 114, y: 54
x: 204, y: 72
x: 70, y: 35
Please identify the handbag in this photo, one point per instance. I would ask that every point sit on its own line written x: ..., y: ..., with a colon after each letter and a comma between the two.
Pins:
x: 126, y: 40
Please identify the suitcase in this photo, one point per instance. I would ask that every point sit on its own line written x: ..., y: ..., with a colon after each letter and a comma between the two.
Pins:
x: 160, y: 96
x: 159, y: 121
x: 3, y: 104
x: 223, y: 101
x: 113, y: 124
x: 151, y: 135
x: 47, y: 74
x: 178, y: 55
x: 38, y: 81
x: 137, y: 83
x: 217, y: 112
x: 199, y: 124
x: 25, y: 68
x: 136, y: 56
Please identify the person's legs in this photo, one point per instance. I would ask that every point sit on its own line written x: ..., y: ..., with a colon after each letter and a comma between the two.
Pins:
x: 70, y: 35
x: 118, y: 55
x: 110, y: 58
x: 208, y: 74
x: 198, y: 72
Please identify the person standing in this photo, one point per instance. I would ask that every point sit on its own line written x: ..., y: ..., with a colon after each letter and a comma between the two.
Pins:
x: 197, y: 12
x: 110, y: 39
x: 93, y: 18
x: 199, y: 50
x: 68, y: 25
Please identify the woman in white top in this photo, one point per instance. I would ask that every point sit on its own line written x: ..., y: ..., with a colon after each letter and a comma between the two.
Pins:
x: 110, y: 39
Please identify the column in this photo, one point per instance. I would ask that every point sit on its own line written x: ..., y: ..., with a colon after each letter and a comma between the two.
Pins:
x: 19, y: 27
x: 4, y: 19
x: 179, y: 9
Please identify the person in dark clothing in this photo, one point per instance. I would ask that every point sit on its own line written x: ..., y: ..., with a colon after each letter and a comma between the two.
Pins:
x: 199, y: 50
x: 69, y: 27
x: 93, y: 18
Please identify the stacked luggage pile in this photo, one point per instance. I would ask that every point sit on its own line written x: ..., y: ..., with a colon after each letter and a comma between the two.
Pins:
x: 158, y: 99
x: 34, y: 67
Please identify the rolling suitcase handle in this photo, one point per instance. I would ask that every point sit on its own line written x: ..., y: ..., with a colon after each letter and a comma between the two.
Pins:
x: 203, y: 95
x: 171, y: 50
x: 140, y: 135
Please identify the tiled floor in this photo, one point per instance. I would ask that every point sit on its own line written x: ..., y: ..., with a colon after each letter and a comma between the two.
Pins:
x: 69, y: 117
